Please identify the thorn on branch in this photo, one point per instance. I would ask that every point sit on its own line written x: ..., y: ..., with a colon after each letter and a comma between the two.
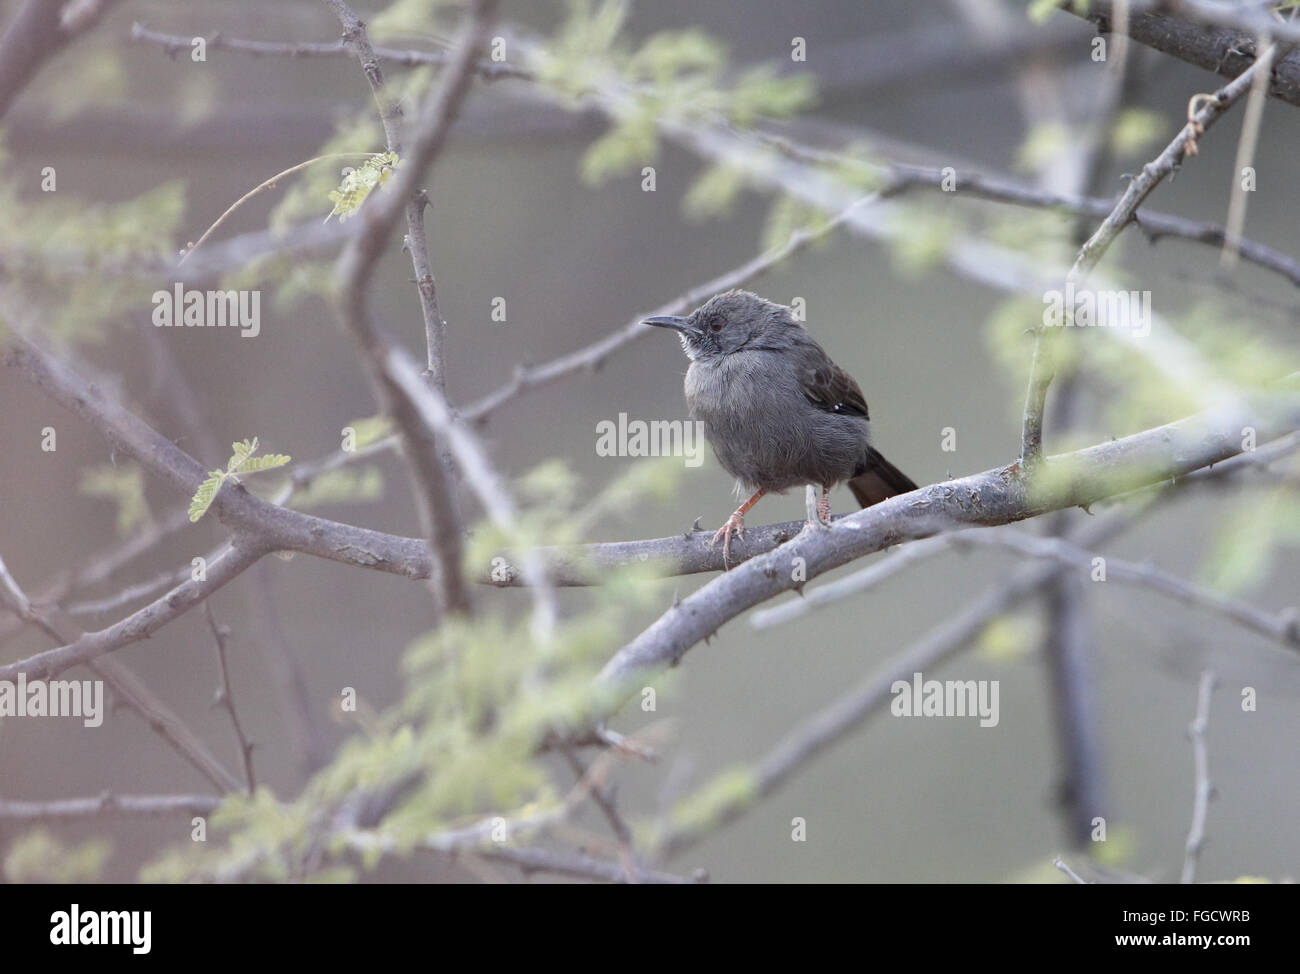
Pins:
x: 1194, y: 105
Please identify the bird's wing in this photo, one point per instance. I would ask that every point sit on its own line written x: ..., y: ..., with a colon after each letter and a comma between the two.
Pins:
x: 829, y: 387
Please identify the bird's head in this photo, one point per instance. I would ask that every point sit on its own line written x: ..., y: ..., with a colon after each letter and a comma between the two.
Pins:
x: 730, y: 322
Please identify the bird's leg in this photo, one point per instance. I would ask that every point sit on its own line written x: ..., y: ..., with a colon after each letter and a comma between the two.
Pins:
x: 813, y: 507
x: 735, y: 525
x: 824, y: 506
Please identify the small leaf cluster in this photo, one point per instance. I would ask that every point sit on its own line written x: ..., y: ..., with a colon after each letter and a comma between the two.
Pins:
x: 241, y: 461
x: 358, y: 184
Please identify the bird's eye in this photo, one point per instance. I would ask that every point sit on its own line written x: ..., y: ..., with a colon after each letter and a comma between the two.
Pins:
x: 715, y: 325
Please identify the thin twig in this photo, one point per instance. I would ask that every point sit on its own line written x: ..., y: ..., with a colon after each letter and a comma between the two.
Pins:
x: 592, y: 356
x: 175, y: 43
x: 1280, y: 627
x: 1074, y: 877
x: 854, y: 584
x: 128, y: 687
x: 632, y: 864
x: 304, y: 730
x: 140, y: 624
x: 897, y: 178
x: 1204, y: 789
x: 1042, y: 367
x: 225, y: 698
x: 1246, y: 145
x: 355, y: 268
x: 263, y: 187
x: 390, y: 116
x: 107, y: 804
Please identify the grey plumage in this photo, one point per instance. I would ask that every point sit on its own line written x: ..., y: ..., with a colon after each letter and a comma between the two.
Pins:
x: 777, y: 411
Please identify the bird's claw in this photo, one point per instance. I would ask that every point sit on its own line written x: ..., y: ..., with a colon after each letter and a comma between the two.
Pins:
x: 824, y: 511
x: 735, y: 525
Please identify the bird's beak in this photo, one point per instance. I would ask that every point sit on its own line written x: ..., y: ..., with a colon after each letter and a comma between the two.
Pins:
x: 670, y: 321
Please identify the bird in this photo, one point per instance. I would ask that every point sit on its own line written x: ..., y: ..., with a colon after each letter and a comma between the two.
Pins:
x: 776, y: 410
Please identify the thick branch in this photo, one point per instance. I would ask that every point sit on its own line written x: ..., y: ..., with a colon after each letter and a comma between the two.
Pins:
x: 434, y: 414
x: 994, y: 497
x: 139, y: 625
x: 34, y: 36
x: 284, y: 529
x: 1225, y: 50
x: 356, y: 266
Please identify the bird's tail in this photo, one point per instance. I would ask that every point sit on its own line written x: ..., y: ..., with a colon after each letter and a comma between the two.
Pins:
x: 879, y: 480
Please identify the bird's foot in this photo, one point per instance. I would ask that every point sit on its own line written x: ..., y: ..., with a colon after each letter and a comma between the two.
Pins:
x: 824, y: 510
x: 819, y: 511
x: 735, y: 525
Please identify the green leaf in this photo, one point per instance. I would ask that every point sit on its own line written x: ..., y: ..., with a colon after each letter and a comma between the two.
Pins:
x: 268, y: 462
x: 241, y: 461
x: 358, y: 183
x: 206, y: 493
x: 240, y: 452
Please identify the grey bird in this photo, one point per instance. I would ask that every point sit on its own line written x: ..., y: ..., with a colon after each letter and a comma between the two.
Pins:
x: 777, y: 411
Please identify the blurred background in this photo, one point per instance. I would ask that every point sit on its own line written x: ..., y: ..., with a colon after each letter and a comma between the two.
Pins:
x: 513, y: 216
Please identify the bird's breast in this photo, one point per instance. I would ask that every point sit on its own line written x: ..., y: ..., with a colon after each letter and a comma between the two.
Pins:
x: 762, y: 427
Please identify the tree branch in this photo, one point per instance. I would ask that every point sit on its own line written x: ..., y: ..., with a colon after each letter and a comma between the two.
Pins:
x: 128, y: 687
x: 35, y: 35
x: 841, y: 717
x: 1204, y: 790
x: 1225, y: 45
x: 356, y: 265
x: 1042, y: 368
x: 1281, y: 627
x: 225, y: 697
x: 175, y: 44
x: 140, y: 624
x: 995, y: 497
x: 64, y: 809
x: 434, y: 414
